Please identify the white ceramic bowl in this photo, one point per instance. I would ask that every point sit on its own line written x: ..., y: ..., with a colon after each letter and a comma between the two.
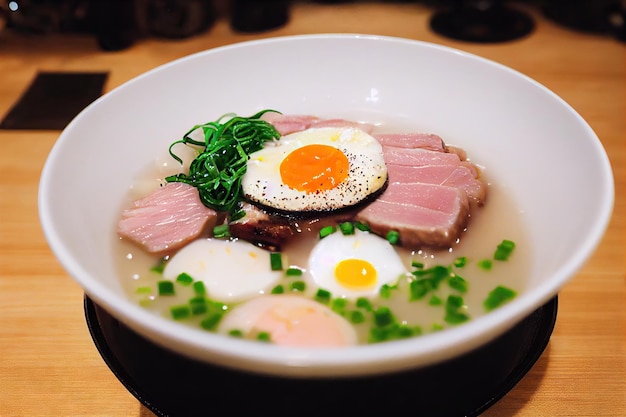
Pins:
x: 532, y: 141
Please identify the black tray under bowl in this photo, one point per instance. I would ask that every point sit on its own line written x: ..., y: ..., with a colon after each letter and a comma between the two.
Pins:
x: 171, y: 385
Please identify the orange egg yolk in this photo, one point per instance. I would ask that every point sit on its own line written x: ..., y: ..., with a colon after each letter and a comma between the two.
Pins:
x: 355, y: 274
x: 314, y: 168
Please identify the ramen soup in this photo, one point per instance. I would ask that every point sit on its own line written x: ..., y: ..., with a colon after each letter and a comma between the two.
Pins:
x: 303, y: 231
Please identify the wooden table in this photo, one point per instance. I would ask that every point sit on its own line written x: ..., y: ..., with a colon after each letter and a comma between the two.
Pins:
x: 49, y: 365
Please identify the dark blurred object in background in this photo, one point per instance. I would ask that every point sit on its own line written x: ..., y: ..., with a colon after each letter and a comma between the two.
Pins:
x: 258, y: 15
x: 482, y: 21
x: 591, y: 16
x: 179, y: 18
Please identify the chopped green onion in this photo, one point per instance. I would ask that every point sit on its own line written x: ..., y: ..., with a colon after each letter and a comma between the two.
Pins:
x: 180, y: 312
x: 160, y: 266
x: 276, y: 261
x: 199, y: 288
x: 383, y: 316
x: 198, y: 305
x: 293, y: 272
x: 298, y: 286
x: 143, y: 290
x: 235, y: 333
x: 211, y: 322
x: 498, y: 296
x: 460, y: 262
x: 362, y: 226
x: 356, y: 317
x: 485, y: 264
x: 237, y: 215
x: 279, y: 289
x: 435, y: 300
x: 385, y: 290
x: 393, y: 237
x: 323, y: 296
x: 504, y: 250
x: 347, y: 228
x: 418, y: 289
x: 364, y: 303
x: 263, y: 336
x: 166, y: 288
x: 417, y: 265
x: 221, y: 231
x: 458, y: 283
x: 455, y: 307
x: 339, y: 305
x: 327, y: 230
x: 436, y: 327
x: 184, y: 278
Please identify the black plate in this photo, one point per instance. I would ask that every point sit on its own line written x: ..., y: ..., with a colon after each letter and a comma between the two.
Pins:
x: 172, y: 385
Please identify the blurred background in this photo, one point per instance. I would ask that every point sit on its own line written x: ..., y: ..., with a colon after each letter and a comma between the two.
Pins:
x: 117, y: 24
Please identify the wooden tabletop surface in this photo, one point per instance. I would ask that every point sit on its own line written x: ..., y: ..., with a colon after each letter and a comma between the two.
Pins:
x: 49, y: 365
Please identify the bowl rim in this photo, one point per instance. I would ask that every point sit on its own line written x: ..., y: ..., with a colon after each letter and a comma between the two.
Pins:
x: 310, y: 362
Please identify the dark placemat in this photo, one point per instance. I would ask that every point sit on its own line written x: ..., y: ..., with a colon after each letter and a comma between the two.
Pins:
x: 172, y: 385
x: 53, y: 99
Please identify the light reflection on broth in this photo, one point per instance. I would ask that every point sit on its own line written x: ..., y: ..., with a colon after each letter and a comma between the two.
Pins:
x: 498, y: 219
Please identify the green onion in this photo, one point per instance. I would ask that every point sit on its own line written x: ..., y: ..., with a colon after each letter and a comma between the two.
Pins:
x: 211, y: 322
x: 383, y: 316
x: 436, y: 327
x: 221, y: 231
x: 160, y: 266
x: 263, y: 336
x: 323, y: 296
x: 362, y: 226
x: 217, y: 171
x: 485, y: 264
x: 237, y: 215
x: 184, y: 278
x: 385, y: 290
x: 339, y: 305
x: 347, y: 228
x: 279, y: 289
x: 198, y: 305
x: 458, y: 283
x: 276, y: 261
x: 435, y: 300
x: 417, y: 265
x: 298, y: 286
x: 235, y: 333
x: 364, y: 303
x: 356, y: 317
x: 455, y: 307
x: 293, y: 272
x: 498, y: 296
x: 418, y: 289
x: 504, y: 250
x: 180, y: 312
x: 460, y: 262
x: 199, y: 288
x: 327, y: 230
x: 143, y: 290
x: 166, y: 288
x: 393, y: 237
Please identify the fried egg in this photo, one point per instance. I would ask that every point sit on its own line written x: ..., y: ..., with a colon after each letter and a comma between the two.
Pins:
x: 354, y: 265
x: 319, y: 169
x: 289, y: 320
x: 232, y: 271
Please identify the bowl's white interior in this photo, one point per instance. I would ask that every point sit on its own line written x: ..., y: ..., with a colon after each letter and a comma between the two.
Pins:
x: 532, y: 141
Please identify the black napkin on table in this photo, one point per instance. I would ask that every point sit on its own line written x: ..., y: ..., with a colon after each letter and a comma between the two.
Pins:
x: 53, y: 99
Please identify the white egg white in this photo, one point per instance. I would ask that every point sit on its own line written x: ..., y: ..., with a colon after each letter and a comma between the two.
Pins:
x: 263, y: 184
x: 332, y: 249
x: 232, y: 271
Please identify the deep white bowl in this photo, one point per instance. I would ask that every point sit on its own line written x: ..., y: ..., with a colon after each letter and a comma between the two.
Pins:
x: 536, y: 144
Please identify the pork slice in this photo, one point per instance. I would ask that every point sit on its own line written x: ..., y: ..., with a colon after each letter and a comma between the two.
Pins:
x: 342, y: 123
x: 418, y: 157
x: 430, y: 196
x: 426, y: 141
x: 289, y: 123
x: 449, y: 175
x: 167, y: 219
x: 261, y: 228
x: 418, y: 226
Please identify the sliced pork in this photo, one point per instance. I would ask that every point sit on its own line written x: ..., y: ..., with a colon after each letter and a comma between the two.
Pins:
x: 261, y: 228
x: 426, y: 141
x: 167, y: 219
x: 291, y: 123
